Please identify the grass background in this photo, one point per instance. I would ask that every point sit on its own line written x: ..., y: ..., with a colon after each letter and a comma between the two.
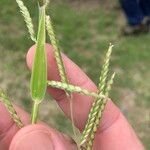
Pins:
x: 85, y: 29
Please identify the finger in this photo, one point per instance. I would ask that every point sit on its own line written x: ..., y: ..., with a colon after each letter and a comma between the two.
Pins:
x: 112, y: 119
x: 81, y: 104
x: 118, y: 136
x: 41, y: 137
x: 7, y: 126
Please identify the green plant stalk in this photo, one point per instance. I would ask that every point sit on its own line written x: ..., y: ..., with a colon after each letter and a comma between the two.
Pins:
x: 96, y: 104
x: 38, y: 83
x: 6, y: 101
x: 27, y: 19
x: 35, y: 112
x: 99, y: 116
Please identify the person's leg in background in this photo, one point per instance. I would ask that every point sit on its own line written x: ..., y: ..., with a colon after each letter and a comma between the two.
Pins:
x: 132, y: 11
x: 135, y: 11
x: 145, y: 6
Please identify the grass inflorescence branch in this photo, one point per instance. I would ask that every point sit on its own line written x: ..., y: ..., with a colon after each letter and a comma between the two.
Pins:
x: 99, y: 115
x: 27, y: 19
x: 57, y: 51
x: 6, y: 101
x: 98, y: 104
x: 60, y: 65
x: 73, y: 89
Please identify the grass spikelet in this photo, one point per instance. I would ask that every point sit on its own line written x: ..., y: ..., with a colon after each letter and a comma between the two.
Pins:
x: 109, y: 84
x: 27, y: 19
x: 6, y: 101
x: 96, y: 107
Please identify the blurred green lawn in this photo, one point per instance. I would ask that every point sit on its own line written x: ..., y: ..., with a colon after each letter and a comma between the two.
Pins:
x: 84, y: 30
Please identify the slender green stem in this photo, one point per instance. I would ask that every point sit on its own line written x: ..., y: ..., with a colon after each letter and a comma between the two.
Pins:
x: 34, y: 114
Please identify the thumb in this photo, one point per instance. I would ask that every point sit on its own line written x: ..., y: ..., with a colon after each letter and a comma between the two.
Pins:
x: 41, y: 137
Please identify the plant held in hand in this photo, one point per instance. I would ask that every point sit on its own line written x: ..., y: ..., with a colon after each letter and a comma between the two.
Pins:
x: 39, y: 82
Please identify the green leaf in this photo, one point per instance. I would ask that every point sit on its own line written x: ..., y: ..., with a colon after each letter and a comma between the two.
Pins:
x: 38, y: 82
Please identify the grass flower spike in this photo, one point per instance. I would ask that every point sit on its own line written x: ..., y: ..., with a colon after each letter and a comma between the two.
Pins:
x: 27, y: 19
x: 38, y: 83
x: 96, y: 107
x: 99, y: 116
x: 6, y: 101
x: 57, y: 52
x: 73, y: 89
x: 60, y: 66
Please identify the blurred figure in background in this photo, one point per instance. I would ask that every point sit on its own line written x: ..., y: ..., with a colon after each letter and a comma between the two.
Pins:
x: 138, y: 16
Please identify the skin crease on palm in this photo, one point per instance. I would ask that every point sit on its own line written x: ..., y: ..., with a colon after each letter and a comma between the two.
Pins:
x: 114, y: 132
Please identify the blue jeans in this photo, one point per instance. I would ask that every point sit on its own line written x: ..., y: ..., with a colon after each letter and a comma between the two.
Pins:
x: 135, y: 10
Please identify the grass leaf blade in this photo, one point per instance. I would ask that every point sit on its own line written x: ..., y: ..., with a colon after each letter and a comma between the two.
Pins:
x: 38, y: 83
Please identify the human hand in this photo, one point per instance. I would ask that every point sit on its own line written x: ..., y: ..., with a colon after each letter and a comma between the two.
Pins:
x: 114, y: 132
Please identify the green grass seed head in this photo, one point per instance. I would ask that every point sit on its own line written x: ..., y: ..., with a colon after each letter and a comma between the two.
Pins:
x: 96, y: 107
x: 57, y: 52
x: 10, y: 108
x: 27, y: 19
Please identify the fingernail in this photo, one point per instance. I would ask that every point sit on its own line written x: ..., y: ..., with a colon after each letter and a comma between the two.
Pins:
x: 35, y: 139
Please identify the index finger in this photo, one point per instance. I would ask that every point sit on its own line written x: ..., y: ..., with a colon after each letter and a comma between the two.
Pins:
x: 81, y: 103
x: 114, y: 131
